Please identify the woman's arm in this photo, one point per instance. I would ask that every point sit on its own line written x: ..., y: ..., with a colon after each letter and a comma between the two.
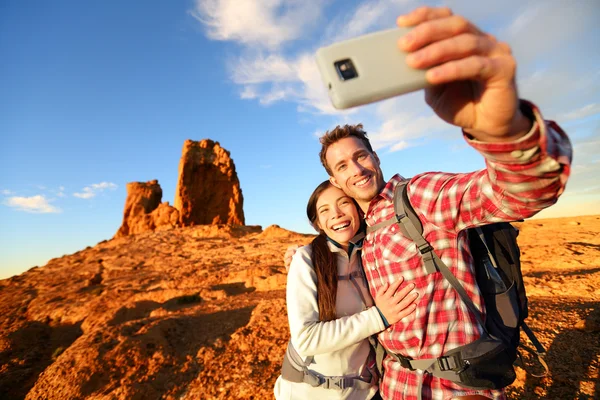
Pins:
x: 310, y: 336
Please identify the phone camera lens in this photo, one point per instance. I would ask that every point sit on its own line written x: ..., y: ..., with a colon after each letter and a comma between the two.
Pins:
x: 345, y: 69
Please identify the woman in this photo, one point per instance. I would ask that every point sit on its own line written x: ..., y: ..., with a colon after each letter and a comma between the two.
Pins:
x: 330, y: 311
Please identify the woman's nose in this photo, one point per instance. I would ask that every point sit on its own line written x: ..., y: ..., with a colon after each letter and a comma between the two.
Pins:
x: 337, y: 213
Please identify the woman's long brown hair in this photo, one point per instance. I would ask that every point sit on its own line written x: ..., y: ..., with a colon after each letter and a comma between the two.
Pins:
x: 324, y: 261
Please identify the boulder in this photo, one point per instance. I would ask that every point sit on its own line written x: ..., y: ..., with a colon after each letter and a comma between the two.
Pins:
x: 144, y: 210
x: 208, y: 190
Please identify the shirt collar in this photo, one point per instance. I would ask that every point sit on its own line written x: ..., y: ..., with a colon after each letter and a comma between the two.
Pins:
x: 355, y: 242
x: 387, y: 193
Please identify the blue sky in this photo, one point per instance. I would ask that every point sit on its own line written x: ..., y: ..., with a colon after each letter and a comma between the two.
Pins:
x: 97, y: 94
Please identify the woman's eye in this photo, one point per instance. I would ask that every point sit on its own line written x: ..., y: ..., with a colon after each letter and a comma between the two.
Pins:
x: 341, y: 167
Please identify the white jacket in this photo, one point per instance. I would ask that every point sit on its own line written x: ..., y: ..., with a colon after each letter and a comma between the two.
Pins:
x: 340, y: 347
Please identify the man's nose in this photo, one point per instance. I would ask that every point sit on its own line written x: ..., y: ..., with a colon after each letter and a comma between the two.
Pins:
x: 355, y: 167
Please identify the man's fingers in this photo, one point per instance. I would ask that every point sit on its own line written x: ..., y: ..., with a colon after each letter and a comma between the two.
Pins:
x: 289, y: 253
x: 455, y: 48
x: 436, y: 30
x: 422, y: 14
x: 470, y: 68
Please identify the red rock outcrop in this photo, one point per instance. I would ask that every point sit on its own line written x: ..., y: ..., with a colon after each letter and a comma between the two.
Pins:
x: 199, y: 313
x: 144, y: 210
x: 208, y: 190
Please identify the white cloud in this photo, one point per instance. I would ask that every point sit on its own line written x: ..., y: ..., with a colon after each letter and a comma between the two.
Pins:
x: 265, y: 24
x: 583, y: 112
x: 367, y: 17
x: 550, y: 69
x: 276, y: 78
x: 249, y: 92
x: 398, y: 123
x: 260, y: 69
x: 86, y: 194
x: 91, y: 191
x: 33, y: 204
x: 7, y: 192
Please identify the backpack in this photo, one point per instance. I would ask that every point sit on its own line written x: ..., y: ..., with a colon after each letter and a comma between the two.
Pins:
x: 296, y: 369
x: 486, y: 363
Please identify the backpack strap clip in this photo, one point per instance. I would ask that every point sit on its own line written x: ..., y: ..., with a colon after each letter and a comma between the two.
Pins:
x: 447, y: 363
x: 425, y: 248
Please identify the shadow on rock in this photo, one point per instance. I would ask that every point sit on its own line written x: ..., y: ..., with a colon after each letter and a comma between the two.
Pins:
x: 233, y: 289
x: 143, y: 309
x: 568, y: 273
x: 567, y: 368
x: 31, y: 349
x: 160, y: 358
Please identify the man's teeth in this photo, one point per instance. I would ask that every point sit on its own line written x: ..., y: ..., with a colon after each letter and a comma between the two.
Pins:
x: 362, y: 182
x: 342, y: 226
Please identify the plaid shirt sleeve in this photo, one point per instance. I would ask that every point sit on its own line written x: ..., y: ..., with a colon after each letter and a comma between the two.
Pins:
x: 521, y: 178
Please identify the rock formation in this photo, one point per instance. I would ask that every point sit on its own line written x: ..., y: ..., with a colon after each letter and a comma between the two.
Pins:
x: 199, y: 313
x: 208, y: 190
x: 144, y: 210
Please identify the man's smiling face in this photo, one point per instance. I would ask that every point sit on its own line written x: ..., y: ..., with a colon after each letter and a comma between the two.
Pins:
x: 355, y: 170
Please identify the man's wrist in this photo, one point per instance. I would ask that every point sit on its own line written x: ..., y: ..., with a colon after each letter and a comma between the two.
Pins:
x: 523, y: 122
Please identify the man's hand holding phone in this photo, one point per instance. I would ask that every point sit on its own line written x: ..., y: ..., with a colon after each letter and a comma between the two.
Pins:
x: 472, y: 74
x: 468, y: 75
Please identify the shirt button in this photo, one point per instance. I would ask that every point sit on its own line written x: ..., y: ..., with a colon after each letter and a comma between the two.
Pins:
x: 516, y: 153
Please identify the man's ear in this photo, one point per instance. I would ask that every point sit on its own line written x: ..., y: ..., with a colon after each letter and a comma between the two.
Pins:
x: 377, y: 158
x: 334, y: 182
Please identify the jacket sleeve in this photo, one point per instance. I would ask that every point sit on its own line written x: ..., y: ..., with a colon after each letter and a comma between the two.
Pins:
x: 309, y: 335
x: 521, y: 178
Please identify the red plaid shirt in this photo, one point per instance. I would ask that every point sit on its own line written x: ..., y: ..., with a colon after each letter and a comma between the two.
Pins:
x: 521, y: 178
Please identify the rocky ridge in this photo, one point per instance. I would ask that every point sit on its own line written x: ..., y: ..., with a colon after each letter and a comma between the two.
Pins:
x: 199, y: 313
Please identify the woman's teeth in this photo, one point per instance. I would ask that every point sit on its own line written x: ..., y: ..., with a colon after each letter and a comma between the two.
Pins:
x: 340, y: 227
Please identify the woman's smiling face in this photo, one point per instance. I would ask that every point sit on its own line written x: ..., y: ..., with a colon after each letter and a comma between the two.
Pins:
x: 337, y: 215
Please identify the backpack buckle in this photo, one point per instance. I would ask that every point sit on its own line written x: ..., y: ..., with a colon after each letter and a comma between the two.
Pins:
x: 425, y: 248
x: 446, y: 363
x: 334, y: 383
x: 405, y: 362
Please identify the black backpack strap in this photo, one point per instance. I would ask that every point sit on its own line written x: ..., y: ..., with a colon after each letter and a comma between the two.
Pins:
x: 295, y: 369
x: 406, y: 217
x: 487, y: 248
x: 539, y: 351
x: 410, y: 225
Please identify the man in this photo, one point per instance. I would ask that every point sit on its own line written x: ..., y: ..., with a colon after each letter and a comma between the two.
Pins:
x: 527, y: 166
x: 528, y: 162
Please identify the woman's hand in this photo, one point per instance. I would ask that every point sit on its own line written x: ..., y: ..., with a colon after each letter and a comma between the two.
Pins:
x: 396, y: 304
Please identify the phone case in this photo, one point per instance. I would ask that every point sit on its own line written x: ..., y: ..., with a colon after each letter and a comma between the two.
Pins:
x: 376, y: 70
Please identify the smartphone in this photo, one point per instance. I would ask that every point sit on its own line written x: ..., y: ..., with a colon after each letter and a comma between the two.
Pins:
x: 368, y: 68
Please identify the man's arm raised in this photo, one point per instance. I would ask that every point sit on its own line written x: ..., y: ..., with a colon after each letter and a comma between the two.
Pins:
x: 473, y: 74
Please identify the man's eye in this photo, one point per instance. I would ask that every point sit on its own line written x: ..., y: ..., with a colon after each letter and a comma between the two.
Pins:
x: 362, y: 156
x: 342, y: 167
